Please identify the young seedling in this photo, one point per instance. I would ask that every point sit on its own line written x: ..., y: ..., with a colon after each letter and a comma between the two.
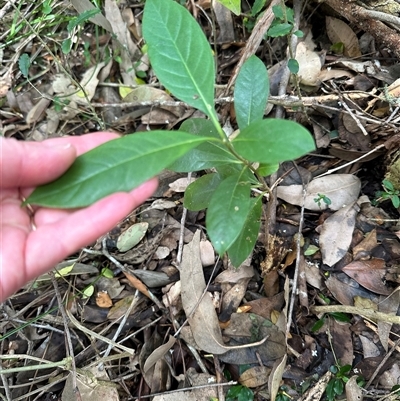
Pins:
x: 324, y: 198
x: 390, y: 192
x: 183, y: 61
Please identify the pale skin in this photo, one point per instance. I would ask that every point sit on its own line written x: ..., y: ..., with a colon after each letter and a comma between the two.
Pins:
x: 28, y: 250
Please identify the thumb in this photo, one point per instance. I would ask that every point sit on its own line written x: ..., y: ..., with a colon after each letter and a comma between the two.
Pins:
x: 24, y: 163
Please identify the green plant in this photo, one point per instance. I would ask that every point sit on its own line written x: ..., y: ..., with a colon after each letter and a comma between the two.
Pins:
x: 239, y: 393
x: 324, y: 198
x: 336, y: 385
x: 183, y: 62
x: 282, y: 394
x: 283, y: 25
x: 389, y: 192
x: 74, y: 24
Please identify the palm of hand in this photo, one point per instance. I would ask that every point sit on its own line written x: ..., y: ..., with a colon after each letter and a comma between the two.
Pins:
x: 32, y: 243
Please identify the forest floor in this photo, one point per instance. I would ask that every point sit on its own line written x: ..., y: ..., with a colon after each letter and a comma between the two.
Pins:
x: 318, y: 297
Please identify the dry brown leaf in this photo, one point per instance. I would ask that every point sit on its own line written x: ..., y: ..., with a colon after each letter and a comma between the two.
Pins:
x: 309, y: 64
x: 255, y: 376
x: 353, y: 390
x: 88, y: 83
x: 226, y: 32
x: 199, y: 309
x: 388, y: 305
x: 85, y: 5
x: 275, y: 378
x: 369, y: 273
x: 341, y: 189
x: 128, y: 50
x: 336, y: 234
x: 158, y: 353
x: 339, y: 32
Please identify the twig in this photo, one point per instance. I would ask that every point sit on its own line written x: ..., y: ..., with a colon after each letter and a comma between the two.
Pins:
x: 368, y: 313
x: 357, y: 121
x: 352, y: 162
x: 231, y: 383
x: 384, y: 360
x: 143, y: 288
x: 182, y: 230
x: 122, y: 323
x: 298, y: 257
x: 67, y: 334
x: 65, y: 364
x: 5, y: 384
x: 91, y: 333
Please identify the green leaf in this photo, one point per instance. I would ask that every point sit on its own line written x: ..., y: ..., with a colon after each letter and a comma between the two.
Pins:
x: 206, y: 155
x: 227, y: 212
x: 179, y: 53
x: 198, y: 194
x: 311, y: 250
x: 317, y: 325
x: 24, y: 63
x: 234, y: 169
x: 234, y: 391
x: 82, y: 18
x: 265, y: 169
x: 106, y: 272
x: 293, y: 66
x: 330, y: 392
x: 66, y: 46
x: 395, y: 201
x: 232, y: 5
x: 278, y: 12
x: 251, y: 92
x: 338, y: 386
x: 46, y: 8
x: 246, y: 395
x: 280, y: 30
x: 386, y: 183
x: 340, y: 317
x: 273, y: 141
x: 299, y: 33
x: 257, y: 7
x: 116, y: 166
x: 247, y: 238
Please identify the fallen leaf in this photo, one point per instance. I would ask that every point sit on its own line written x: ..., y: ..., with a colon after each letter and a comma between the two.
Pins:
x: 199, y: 309
x: 336, y: 234
x: 339, y: 32
x: 341, y: 189
x: 369, y: 274
x: 255, y: 376
x: 309, y: 64
x: 132, y: 236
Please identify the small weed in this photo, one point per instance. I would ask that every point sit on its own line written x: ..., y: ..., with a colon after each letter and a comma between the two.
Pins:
x: 390, y: 192
x: 337, y: 384
x: 239, y: 393
x: 323, y: 198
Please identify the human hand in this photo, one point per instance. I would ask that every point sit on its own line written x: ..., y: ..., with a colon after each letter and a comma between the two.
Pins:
x: 25, y: 252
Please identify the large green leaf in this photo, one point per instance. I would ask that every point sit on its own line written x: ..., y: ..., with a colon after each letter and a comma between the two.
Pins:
x: 251, y: 92
x: 227, y: 211
x: 206, y: 155
x: 247, y: 238
x: 179, y: 53
x: 199, y: 193
x: 118, y: 165
x: 233, y: 5
x: 273, y: 141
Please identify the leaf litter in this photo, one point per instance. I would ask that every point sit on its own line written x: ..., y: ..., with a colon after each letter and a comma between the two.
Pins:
x: 351, y: 109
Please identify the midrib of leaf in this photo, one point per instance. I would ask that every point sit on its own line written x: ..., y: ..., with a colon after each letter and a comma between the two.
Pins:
x: 200, y: 92
x: 100, y: 171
